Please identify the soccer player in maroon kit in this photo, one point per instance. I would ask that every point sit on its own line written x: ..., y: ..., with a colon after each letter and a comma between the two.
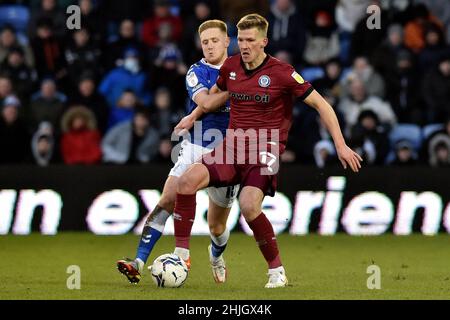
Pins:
x: 262, y: 90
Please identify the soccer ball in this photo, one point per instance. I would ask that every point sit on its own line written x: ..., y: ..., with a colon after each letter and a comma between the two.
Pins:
x: 169, y: 271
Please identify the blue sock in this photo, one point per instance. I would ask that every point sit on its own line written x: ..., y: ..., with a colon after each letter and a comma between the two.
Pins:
x: 148, y: 240
x: 217, y: 250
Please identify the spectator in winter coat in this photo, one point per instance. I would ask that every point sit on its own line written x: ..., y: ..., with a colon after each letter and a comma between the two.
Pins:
x: 331, y: 79
x: 22, y: 76
x: 384, y: 57
x: 128, y: 76
x: 14, y: 138
x: 436, y: 91
x: 202, y: 12
x: 93, y: 20
x: 363, y: 70
x: 359, y: 100
x: 405, y: 155
x: 80, y: 141
x: 369, y: 131
x: 162, y: 18
x: 87, y: 95
x: 445, y: 131
x: 164, y: 151
x: 162, y: 112
x: 50, y: 10
x: 43, y: 145
x: 402, y: 84
x: 349, y: 13
x: 8, y: 40
x: 134, y: 141
x: 439, y: 150
x: 48, y: 51
x: 124, y: 109
x: 322, y: 42
x: 435, y: 48
x: 287, y: 31
x: 127, y: 39
x: 47, y: 105
x: 170, y: 71
x: 82, y: 55
x: 415, y: 29
x: 441, y: 10
x: 364, y: 40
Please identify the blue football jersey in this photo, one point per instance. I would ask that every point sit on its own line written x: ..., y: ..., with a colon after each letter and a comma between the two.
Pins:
x: 202, y: 76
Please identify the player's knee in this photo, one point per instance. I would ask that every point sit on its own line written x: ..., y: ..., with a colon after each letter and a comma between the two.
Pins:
x: 249, y: 209
x: 216, y: 228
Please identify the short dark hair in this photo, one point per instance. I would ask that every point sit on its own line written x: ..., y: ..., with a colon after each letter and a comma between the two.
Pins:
x: 143, y: 111
x: 45, y: 23
x: 8, y: 27
x: 16, y: 49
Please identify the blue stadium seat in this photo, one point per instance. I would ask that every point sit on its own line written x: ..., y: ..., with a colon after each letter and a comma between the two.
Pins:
x: 15, y: 15
x: 175, y: 7
x: 406, y: 131
x: 429, y: 129
x: 312, y: 73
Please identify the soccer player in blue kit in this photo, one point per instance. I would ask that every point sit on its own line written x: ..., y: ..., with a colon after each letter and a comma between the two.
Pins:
x: 199, y: 80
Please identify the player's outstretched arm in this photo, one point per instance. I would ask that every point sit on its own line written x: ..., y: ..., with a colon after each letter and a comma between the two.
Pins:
x: 345, y: 154
x: 206, y: 102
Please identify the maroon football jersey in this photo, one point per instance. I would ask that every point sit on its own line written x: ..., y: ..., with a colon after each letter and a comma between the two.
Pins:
x: 262, y: 98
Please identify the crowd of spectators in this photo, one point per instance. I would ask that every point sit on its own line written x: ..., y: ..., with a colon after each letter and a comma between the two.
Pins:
x: 111, y: 91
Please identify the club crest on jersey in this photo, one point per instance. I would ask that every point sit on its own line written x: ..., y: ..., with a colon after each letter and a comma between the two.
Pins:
x: 192, y: 79
x: 264, y: 81
x: 232, y: 75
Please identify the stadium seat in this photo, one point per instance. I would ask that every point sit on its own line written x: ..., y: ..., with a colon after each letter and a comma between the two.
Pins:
x: 175, y: 7
x: 406, y: 131
x: 312, y: 73
x: 429, y: 129
x: 15, y: 15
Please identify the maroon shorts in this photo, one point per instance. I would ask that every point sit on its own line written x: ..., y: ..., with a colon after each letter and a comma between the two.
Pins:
x: 221, y: 175
x: 246, y: 174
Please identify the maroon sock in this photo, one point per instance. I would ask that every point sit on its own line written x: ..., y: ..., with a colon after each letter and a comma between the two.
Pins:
x: 183, y: 217
x: 265, y: 237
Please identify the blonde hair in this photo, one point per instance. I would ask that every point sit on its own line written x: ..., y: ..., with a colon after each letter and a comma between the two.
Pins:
x: 209, y: 24
x: 253, y: 20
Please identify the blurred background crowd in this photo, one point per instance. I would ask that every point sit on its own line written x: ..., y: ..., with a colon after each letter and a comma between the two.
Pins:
x: 112, y: 91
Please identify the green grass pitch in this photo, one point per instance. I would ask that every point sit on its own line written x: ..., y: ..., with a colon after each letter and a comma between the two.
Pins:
x: 412, y: 267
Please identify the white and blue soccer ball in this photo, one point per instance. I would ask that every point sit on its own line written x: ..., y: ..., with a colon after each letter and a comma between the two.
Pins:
x: 169, y: 271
